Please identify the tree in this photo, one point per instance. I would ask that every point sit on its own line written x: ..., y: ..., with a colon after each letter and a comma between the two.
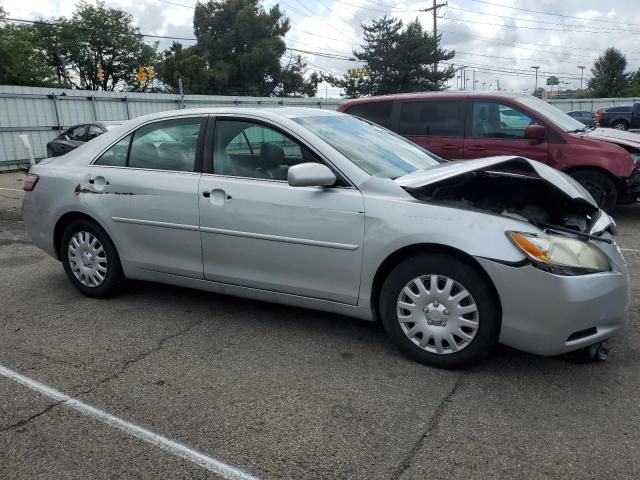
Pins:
x: 239, y: 52
x: 292, y: 81
x: 97, y: 49
x: 20, y: 63
x: 608, y: 76
x: 632, y: 87
x: 397, y: 60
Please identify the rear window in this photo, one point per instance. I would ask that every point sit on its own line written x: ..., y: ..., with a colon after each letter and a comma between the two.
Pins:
x: 435, y: 118
x: 376, y: 112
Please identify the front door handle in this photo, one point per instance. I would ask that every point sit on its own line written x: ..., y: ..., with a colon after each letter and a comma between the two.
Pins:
x: 217, y: 196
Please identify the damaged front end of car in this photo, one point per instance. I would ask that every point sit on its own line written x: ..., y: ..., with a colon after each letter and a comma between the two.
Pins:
x: 570, y: 290
x: 513, y: 187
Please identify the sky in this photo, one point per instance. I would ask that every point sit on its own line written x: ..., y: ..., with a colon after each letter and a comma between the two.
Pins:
x: 498, y: 41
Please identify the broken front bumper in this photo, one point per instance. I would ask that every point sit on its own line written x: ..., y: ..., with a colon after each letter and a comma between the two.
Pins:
x: 549, y: 314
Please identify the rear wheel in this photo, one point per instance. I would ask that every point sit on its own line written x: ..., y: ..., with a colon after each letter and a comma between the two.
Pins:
x: 620, y: 125
x: 601, y: 187
x: 90, y: 259
x: 440, y: 311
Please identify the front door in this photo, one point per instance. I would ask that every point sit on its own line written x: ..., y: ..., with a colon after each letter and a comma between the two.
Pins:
x: 436, y: 125
x: 496, y: 128
x: 145, y: 189
x: 259, y: 232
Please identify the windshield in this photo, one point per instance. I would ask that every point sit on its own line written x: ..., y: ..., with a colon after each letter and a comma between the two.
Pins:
x: 551, y: 113
x: 374, y: 149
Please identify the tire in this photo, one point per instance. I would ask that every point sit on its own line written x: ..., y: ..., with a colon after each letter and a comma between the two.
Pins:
x: 601, y: 187
x: 101, y: 276
x: 478, y: 332
x: 620, y: 125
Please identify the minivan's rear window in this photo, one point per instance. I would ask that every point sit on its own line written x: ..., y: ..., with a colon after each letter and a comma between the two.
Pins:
x: 376, y: 112
x: 443, y: 118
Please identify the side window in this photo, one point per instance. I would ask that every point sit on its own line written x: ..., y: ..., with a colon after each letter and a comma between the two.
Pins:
x: 94, y: 132
x: 116, y: 156
x: 497, y: 120
x: 376, y: 112
x: 246, y: 149
x: 166, y: 145
x: 434, y: 118
x: 78, y: 133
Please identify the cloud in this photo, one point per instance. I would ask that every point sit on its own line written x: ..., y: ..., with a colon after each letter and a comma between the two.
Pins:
x: 502, y: 43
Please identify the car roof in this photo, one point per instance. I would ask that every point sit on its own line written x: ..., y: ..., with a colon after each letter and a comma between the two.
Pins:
x: 445, y: 95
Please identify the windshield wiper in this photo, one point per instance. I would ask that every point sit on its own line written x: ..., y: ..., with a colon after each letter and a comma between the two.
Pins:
x: 581, y: 235
x: 578, y: 130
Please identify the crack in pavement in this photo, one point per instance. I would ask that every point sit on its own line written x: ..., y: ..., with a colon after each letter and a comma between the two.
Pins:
x: 125, y: 365
x: 143, y: 355
x: 4, y: 242
x: 431, y: 426
x: 29, y: 419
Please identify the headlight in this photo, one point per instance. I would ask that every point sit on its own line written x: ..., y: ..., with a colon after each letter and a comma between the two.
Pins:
x: 561, y: 255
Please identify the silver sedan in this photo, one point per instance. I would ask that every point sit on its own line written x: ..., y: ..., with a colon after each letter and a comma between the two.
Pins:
x: 323, y: 210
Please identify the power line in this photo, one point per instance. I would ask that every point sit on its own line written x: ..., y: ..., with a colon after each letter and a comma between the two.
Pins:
x: 534, y: 28
x: 541, y: 21
x: 555, y: 14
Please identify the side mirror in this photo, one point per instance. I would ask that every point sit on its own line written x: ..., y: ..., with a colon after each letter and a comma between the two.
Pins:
x: 310, y: 175
x: 535, y: 132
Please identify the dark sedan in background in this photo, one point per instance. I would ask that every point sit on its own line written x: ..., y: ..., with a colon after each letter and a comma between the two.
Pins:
x: 75, y: 136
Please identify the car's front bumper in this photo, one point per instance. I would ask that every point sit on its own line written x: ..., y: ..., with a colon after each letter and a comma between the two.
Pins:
x: 550, y: 314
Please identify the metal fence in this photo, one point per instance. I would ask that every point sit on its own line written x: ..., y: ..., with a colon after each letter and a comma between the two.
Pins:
x: 41, y: 113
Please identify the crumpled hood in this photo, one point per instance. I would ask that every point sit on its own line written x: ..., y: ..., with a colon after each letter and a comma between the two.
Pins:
x: 612, y: 135
x: 448, y: 170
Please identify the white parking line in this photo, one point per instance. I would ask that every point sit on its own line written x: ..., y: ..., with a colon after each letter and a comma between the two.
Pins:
x: 630, y: 250
x: 171, y: 446
x: 12, y: 189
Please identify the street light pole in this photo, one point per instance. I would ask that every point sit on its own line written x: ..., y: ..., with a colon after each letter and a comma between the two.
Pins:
x: 581, y: 67
x: 536, y: 68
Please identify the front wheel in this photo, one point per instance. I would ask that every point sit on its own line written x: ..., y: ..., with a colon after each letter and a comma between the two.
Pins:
x: 440, y: 311
x: 90, y: 259
x: 620, y: 125
x: 601, y: 187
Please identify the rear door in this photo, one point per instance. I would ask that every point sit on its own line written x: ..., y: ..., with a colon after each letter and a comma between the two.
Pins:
x: 497, y: 128
x: 145, y: 189
x: 436, y: 125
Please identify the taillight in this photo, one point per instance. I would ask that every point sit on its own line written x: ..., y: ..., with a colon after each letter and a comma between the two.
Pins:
x: 598, y: 114
x: 30, y: 182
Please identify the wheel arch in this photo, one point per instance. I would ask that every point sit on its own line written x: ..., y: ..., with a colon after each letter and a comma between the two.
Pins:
x: 410, y: 250
x: 62, y: 224
x: 597, y: 169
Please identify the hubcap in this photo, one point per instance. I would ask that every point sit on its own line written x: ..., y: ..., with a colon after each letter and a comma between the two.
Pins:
x: 87, y: 259
x: 437, y: 314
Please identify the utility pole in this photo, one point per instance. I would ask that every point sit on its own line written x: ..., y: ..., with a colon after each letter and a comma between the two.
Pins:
x: 498, y: 85
x: 474, y: 78
x: 536, y: 68
x: 434, y: 9
x: 484, y: 84
x: 581, y: 67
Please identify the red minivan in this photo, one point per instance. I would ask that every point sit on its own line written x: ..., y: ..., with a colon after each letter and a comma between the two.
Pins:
x: 462, y: 125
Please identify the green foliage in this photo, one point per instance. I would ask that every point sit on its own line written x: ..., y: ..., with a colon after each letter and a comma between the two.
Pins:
x: 398, y: 60
x: 608, y: 74
x: 239, y: 51
x: 95, y: 38
x: 20, y: 63
x: 632, y: 88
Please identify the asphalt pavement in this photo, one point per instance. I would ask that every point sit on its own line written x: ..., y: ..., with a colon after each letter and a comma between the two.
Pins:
x: 281, y: 392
